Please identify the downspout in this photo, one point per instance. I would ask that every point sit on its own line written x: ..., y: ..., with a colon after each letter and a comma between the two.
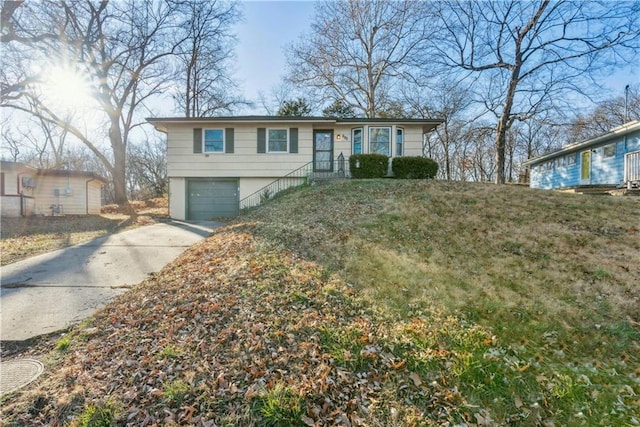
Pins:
x: 20, y: 192
x: 86, y: 195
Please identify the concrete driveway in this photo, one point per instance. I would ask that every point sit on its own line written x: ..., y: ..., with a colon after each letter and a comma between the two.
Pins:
x: 52, y: 291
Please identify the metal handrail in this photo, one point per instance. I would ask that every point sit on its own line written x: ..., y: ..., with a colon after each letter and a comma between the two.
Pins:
x: 339, y: 169
x: 632, y: 168
x: 292, y: 179
x: 305, y: 174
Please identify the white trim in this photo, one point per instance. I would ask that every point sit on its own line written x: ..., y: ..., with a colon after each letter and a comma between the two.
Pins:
x: 353, y: 140
x: 399, y: 129
x: 391, y: 139
x: 204, y: 141
x: 267, y: 148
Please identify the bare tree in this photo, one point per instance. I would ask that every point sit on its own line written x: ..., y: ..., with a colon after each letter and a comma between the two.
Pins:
x: 357, y: 50
x: 204, y: 60
x: 449, y: 102
x: 533, y: 55
x: 606, y: 115
x: 120, y: 48
x: 147, y: 169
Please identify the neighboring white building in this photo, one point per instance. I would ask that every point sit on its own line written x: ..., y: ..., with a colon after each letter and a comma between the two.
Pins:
x: 215, y: 165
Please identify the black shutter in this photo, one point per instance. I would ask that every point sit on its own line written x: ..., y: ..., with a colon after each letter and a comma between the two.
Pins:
x: 228, y: 140
x: 293, y: 140
x: 197, y: 140
x: 262, y: 140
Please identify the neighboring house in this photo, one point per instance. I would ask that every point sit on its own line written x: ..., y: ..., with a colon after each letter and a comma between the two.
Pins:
x: 31, y: 191
x: 218, y: 165
x: 608, y: 160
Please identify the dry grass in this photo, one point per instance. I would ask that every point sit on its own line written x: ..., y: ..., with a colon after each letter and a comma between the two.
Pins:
x: 554, y: 276
x: 25, y: 237
x: 377, y: 303
x: 459, y: 242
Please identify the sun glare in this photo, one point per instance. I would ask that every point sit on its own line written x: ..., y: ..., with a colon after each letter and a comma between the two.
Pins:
x: 67, y: 89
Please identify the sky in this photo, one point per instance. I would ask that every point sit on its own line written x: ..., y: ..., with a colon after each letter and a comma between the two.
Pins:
x: 268, y: 27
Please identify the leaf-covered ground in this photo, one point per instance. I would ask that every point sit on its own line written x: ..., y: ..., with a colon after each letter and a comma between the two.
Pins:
x: 238, y: 333
x: 374, y: 303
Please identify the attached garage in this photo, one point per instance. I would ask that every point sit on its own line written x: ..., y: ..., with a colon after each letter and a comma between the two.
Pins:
x: 212, y: 197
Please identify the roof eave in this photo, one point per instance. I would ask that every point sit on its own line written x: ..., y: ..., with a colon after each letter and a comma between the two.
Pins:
x: 161, y: 123
x: 613, y: 133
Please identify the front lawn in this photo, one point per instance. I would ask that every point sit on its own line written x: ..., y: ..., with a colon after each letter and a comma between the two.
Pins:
x: 381, y: 303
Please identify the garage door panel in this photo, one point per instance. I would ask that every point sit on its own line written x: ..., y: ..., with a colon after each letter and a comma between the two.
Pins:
x: 210, y: 198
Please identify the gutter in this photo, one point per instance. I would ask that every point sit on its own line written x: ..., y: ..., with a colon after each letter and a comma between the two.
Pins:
x: 623, y: 130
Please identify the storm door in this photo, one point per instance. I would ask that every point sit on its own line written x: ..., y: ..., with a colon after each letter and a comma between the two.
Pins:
x: 585, y: 168
x: 323, y: 150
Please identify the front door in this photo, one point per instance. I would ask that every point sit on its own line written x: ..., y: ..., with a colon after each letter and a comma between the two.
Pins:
x: 585, y: 168
x: 323, y: 151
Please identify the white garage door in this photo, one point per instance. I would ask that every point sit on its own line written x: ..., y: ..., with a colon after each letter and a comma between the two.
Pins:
x: 212, y: 197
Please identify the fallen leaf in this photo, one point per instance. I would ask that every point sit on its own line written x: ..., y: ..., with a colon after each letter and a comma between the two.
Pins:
x: 416, y: 379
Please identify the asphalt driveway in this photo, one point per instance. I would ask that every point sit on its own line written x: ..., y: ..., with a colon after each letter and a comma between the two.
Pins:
x: 52, y: 291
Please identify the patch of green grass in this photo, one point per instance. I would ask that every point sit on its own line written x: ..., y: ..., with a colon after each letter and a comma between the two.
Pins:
x: 279, y: 406
x: 345, y: 346
x: 175, y: 392
x: 299, y: 298
x: 170, y: 352
x: 601, y: 274
x: 63, y: 344
x: 96, y: 415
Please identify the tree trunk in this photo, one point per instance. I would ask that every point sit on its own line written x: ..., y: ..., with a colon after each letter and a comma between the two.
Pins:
x: 500, y: 149
x: 118, y: 173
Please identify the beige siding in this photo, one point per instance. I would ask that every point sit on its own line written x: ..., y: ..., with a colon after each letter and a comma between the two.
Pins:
x: 10, y: 206
x: 244, y: 162
x: 94, y: 197
x: 248, y: 186
x: 177, y: 198
x: 13, y: 182
x: 413, y: 141
x: 255, y: 170
x: 73, y: 203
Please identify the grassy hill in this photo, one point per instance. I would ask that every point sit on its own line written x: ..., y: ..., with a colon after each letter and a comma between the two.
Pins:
x: 374, y: 302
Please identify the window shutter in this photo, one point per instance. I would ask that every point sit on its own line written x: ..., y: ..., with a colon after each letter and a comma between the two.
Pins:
x: 197, y: 140
x: 293, y: 140
x: 228, y: 140
x: 262, y: 140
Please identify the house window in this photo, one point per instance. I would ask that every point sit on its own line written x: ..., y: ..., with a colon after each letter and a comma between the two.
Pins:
x: 277, y: 141
x: 571, y: 159
x: 213, y: 140
x: 399, y: 142
x: 356, y: 137
x: 609, y: 150
x: 380, y: 140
